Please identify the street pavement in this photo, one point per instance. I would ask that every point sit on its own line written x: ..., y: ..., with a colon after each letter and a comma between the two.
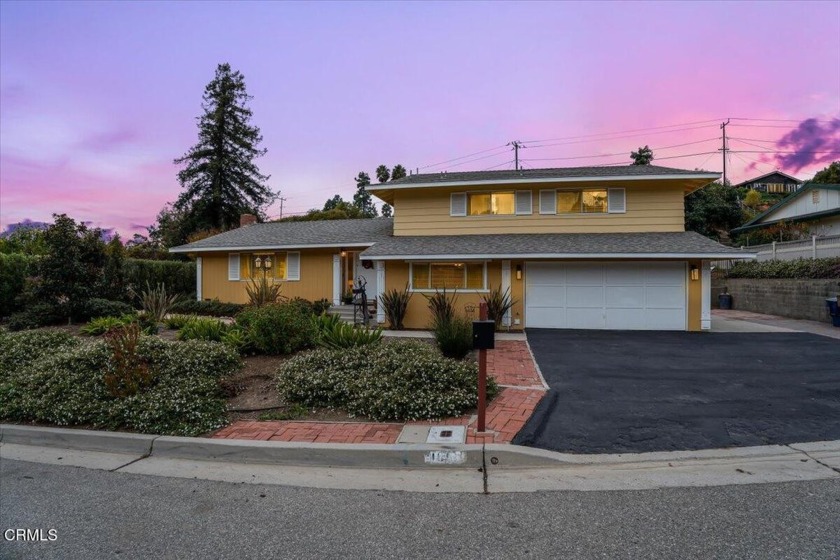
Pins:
x: 99, y: 514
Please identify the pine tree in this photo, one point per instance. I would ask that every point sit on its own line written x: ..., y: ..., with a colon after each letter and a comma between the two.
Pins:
x: 220, y: 179
x: 643, y: 157
x: 362, y: 199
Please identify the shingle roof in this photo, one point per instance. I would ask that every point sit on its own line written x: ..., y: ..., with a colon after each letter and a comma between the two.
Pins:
x: 329, y: 233
x: 548, y: 173
x: 552, y: 244
x: 759, y: 221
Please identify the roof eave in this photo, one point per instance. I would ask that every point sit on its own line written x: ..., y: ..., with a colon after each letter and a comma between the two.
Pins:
x: 566, y: 256
x: 188, y: 249
x: 525, y: 181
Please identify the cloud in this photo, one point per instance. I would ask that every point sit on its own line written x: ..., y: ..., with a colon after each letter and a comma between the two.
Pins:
x: 811, y: 142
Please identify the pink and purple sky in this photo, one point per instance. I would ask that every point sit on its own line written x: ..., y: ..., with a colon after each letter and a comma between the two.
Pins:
x: 98, y: 98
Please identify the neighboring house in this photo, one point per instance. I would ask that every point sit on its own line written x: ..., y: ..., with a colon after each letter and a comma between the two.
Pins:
x: 773, y: 183
x: 815, y: 205
x: 586, y: 248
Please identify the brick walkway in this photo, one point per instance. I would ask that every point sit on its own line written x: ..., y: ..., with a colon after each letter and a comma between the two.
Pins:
x: 510, y: 364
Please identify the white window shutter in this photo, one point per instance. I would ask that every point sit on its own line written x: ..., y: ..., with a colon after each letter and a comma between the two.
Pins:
x: 616, y: 201
x: 458, y: 204
x: 548, y: 202
x: 233, y: 266
x: 523, y: 203
x: 293, y: 265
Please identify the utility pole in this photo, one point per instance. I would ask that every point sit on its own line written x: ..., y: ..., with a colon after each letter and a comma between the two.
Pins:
x: 282, y: 200
x: 516, y: 145
x: 724, y: 149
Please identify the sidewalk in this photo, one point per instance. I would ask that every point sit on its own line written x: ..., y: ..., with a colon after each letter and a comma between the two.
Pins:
x: 510, y: 364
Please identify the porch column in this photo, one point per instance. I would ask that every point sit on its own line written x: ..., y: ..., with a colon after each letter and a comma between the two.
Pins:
x: 706, y: 296
x: 506, y: 287
x: 336, y: 279
x: 198, y: 278
x: 380, y: 289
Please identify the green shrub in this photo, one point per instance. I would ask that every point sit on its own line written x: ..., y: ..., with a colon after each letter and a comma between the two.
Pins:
x: 498, y: 303
x: 237, y: 338
x: 175, y: 322
x: 19, y: 349
x: 800, y: 268
x: 398, y: 380
x: 395, y: 305
x: 318, y: 307
x: 97, y: 307
x: 278, y: 328
x: 441, y: 306
x: 179, y: 277
x: 454, y: 337
x: 14, y: 269
x: 101, y: 325
x: 67, y: 386
x: 203, y: 329
x: 38, y: 315
x: 338, y: 334
x: 213, y: 308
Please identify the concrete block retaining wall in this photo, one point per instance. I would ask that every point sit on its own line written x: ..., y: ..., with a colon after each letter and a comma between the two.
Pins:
x: 796, y: 299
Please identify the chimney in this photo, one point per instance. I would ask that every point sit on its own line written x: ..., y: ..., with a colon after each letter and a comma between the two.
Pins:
x: 247, y: 220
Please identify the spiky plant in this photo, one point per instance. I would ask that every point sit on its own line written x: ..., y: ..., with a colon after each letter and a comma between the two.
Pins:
x: 442, y: 306
x: 156, y: 302
x: 395, y: 304
x: 263, y: 292
x: 498, y: 304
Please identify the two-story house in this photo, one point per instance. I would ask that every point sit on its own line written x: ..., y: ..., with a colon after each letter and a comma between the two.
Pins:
x: 578, y: 248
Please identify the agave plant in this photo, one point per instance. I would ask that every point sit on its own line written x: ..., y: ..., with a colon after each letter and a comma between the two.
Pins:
x: 262, y: 292
x: 335, y: 333
x: 156, y: 302
x: 395, y: 304
x: 442, y: 306
x: 498, y: 304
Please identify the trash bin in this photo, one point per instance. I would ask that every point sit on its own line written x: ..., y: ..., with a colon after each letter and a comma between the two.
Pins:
x: 833, y: 310
x: 725, y: 301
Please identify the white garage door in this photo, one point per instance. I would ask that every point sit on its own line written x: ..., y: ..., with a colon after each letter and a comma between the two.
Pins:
x: 636, y: 296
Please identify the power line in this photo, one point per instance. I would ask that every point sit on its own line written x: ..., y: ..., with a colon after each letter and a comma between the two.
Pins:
x: 463, y: 157
x: 779, y: 120
x: 478, y: 159
x: 622, y: 131
x: 622, y: 153
x: 497, y: 166
x: 786, y: 152
x: 622, y: 137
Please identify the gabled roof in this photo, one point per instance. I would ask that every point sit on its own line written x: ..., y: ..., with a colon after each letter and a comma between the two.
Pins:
x: 646, y: 245
x: 296, y: 235
x: 758, y: 223
x: 777, y: 172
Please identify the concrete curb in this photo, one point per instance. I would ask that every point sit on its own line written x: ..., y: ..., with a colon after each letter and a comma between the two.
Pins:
x: 68, y: 438
x: 495, y: 457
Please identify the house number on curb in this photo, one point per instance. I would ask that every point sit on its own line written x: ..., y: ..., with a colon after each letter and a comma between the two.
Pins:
x: 446, y: 457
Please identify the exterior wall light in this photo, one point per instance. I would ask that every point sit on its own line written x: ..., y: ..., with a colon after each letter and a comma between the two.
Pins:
x: 695, y: 272
x: 519, y: 272
x: 258, y: 263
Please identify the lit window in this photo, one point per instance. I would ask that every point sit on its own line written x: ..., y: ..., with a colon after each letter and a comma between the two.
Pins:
x: 269, y: 265
x: 450, y: 276
x: 592, y: 201
x: 481, y: 204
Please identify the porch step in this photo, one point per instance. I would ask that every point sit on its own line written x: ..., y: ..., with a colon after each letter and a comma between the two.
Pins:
x: 346, y: 312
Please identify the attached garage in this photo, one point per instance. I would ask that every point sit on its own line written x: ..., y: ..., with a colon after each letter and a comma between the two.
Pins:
x: 613, y: 295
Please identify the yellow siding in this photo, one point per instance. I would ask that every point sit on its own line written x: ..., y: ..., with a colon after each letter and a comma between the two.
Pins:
x: 316, y: 278
x: 695, y: 294
x: 650, y: 207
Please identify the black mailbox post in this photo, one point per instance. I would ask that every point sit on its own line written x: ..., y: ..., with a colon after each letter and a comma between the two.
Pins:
x: 484, y: 335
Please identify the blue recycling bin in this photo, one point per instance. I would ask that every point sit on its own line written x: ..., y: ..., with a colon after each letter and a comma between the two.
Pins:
x: 833, y: 310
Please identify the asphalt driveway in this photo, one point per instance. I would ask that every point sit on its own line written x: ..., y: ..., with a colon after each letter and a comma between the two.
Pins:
x: 631, y: 391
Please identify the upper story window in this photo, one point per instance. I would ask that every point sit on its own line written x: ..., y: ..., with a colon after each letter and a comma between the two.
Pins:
x: 496, y: 203
x: 582, y: 202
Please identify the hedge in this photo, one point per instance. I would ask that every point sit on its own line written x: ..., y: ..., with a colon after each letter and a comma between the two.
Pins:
x: 14, y: 268
x: 796, y: 269
x: 179, y: 277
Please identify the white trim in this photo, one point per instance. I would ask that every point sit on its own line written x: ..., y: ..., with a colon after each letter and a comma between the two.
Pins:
x: 706, y: 298
x: 268, y: 247
x: 380, y: 289
x: 505, y: 287
x: 336, y: 279
x: 292, y: 274
x: 198, y: 278
x: 570, y: 256
x: 611, y: 200
x: 462, y: 200
x: 552, y: 207
x: 529, y: 194
x: 526, y: 181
